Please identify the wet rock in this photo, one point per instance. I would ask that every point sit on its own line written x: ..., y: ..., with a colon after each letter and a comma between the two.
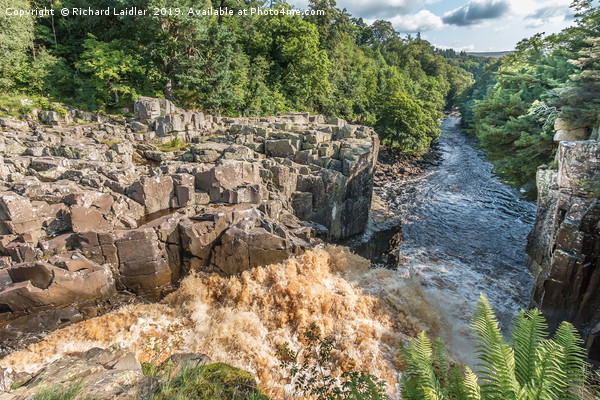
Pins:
x: 143, y: 264
x: 251, y: 243
x: 38, y: 285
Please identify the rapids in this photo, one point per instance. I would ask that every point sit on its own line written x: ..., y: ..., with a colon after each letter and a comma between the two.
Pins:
x: 240, y: 320
x: 464, y: 233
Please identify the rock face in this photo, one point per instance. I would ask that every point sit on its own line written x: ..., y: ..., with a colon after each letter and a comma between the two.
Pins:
x: 115, y: 373
x: 102, y: 374
x: 92, y: 205
x: 564, y: 245
x: 568, y: 132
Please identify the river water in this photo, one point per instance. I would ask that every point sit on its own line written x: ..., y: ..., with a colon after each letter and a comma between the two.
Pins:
x: 464, y: 234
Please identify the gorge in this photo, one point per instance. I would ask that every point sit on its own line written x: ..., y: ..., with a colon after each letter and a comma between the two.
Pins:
x: 176, y: 232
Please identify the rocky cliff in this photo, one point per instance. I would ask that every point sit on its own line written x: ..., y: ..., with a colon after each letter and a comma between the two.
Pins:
x: 564, y: 245
x: 97, y: 209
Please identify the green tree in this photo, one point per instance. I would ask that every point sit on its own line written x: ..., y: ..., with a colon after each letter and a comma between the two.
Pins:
x: 299, y: 67
x: 405, y: 122
x: 115, y: 73
x: 16, y: 43
x: 580, y: 99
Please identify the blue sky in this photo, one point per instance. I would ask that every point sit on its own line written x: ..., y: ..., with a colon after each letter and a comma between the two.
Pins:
x: 471, y: 25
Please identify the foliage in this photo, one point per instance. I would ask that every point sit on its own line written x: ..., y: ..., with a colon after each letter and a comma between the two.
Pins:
x: 307, y: 369
x: 174, y: 144
x: 515, y: 101
x: 113, y: 71
x: 58, y: 392
x: 326, y: 63
x: 207, y: 382
x: 16, y: 40
x: 19, y: 105
x: 530, y: 366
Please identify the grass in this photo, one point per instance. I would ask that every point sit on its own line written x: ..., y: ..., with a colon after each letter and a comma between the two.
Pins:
x: 207, y: 382
x: 110, y: 143
x: 11, y: 107
x: 174, y: 144
x: 58, y: 392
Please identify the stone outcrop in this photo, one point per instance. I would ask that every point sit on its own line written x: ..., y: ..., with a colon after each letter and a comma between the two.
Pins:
x: 564, y: 245
x: 112, y: 373
x: 115, y: 373
x: 566, y: 131
x: 92, y: 205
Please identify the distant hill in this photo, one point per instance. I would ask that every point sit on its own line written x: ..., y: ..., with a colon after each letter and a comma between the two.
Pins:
x: 491, y: 54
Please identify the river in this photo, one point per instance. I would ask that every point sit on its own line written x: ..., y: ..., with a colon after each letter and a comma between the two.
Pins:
x: 464, y: 234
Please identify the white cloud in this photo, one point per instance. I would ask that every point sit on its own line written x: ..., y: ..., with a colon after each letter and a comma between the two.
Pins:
x: 422, y: 21
x: 375, y: 9
x: 469, y: 47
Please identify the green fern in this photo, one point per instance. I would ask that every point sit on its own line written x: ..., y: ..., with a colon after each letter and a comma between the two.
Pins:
x: 497, y: 358
x: 528, y: 331
x: 570, y: 361
x: 419, y: 358
x: 531, y: 367
x: 472, y: 389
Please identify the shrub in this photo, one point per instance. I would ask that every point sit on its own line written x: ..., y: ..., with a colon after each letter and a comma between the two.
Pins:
x: 306, y: 369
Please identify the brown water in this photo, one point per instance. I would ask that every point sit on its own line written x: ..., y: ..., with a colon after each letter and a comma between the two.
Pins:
x: 240, y: 320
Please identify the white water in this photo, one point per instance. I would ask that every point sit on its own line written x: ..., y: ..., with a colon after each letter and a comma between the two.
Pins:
x: 464, y: 234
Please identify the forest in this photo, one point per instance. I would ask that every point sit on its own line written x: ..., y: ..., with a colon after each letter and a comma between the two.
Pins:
x: 234, y: 65
x: 513, y: 105
x: 331, y: 64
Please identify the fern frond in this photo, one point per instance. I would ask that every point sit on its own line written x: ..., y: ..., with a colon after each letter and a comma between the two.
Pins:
x: 472, y: 389
x: 440, y: 362
x: 496, y: 358
x: 455, y: 388
x: 548, y: 374
x: 571, y: 361
x: 419, y: 359
x: 529, y: 329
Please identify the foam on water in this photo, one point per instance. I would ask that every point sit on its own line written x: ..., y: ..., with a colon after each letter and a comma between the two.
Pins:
x: 240, y: 320
x: 464, y: 234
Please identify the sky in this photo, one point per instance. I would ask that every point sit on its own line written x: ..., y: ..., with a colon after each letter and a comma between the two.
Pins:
x: 470, y: 25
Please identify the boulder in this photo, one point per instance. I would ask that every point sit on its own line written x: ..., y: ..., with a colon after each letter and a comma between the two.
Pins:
x: 283, y: 147
x: 247, y: 246
x: 100, y: 374
x: 154, y: 193
x: 143, y: 262
x: 146, y: 109
x: 232, y: 181
x: 565, y: 131
x: 12, y: 123
x: 36, y: 286
x: 17, y: 215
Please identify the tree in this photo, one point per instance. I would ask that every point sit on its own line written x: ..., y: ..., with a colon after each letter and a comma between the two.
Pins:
x: 112, y: 70
x: 404, y: 121
x: 299, y: 67
x: 16, y: 42
x: 580, y: 99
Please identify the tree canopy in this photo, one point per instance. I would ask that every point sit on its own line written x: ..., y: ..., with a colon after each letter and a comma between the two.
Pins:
x: 326, y: 62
